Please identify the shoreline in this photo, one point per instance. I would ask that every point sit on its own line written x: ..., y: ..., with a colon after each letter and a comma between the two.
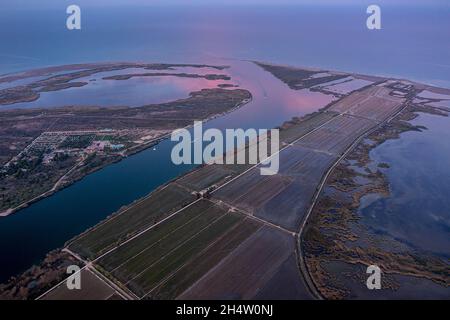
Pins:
x: 400, y: 123
x: 156, y: 141
x: 306, y: 220
x: 414, y: 81
x: 128, y: 153
x: 107, y: 63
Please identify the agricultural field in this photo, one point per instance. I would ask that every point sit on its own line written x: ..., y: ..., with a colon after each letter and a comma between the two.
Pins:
x: 375, y: 102
x: 281, y: 199
x: 176, y: 230
x: 250, y: 270
x: 156, y: 274
x: 286, y: 284
x: 354, y: 99
x: 92, y: 288
x: 211, y: 176
x: 205, y: 261
x: 235, y: 191
x: 305, y: 168
x: 287, y: 208
x: 294, y: 129
x: 337, y: 135
x: 130, y: 221
x: 256, y: 194
x: 205, y: 177
x: 345, y: 87
x: 201, y: 235
x: 226, y: 231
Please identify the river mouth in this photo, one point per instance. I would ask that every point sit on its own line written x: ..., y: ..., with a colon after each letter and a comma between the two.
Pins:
x: 27, y: 236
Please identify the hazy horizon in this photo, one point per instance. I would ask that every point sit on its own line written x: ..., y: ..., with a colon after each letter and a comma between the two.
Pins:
x: 413, y: 42
x: 93, y: 3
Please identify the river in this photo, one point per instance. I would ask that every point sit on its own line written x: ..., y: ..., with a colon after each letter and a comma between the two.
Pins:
x: 413, y: 43
x: 25, y: 237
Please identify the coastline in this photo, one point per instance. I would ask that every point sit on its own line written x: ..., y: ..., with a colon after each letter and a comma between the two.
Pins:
x: 306, y: 220
x: 416, y: 82
x: 341, y: 177
x: 133, y: 150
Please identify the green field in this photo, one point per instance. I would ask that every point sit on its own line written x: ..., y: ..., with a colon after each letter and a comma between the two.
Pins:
x: 188, y: 274
x: 130, y: 221
x: 294, y: 130
x: 176, y: 258
x: 164, y: 236
x: 194, y: 240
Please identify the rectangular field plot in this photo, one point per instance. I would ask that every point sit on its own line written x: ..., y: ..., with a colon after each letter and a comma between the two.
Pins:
x: 347, y: 87
x: 249, y: 269
x: 377, y: 108
x: 337, y: 135
x: 151, y: 263
x: 92, y: 288
x: 294, y: 131
x: 287, y: 208
x: 283, y: 198
x: 306, y: 167
x: 157, y: 272
x: 192, y: 271
x: 286, y: 284
x: 129, y: 222
x: 252, y: 190
x: 300, y: 161
x: 206, y: 176
x: 236, y: 188
x: 165, y: 235
x: 373, y: 103
x: 218, y: 174
x: 354, y: 99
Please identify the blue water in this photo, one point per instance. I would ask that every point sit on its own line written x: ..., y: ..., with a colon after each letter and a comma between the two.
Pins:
x: 25, y: 237
x: 417, y: 209
x: 412, y: 44
x: 134, y: 92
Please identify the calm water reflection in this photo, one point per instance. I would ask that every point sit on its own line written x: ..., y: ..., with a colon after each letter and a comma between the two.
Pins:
x: 418, y: 210
x: 27, y: 236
